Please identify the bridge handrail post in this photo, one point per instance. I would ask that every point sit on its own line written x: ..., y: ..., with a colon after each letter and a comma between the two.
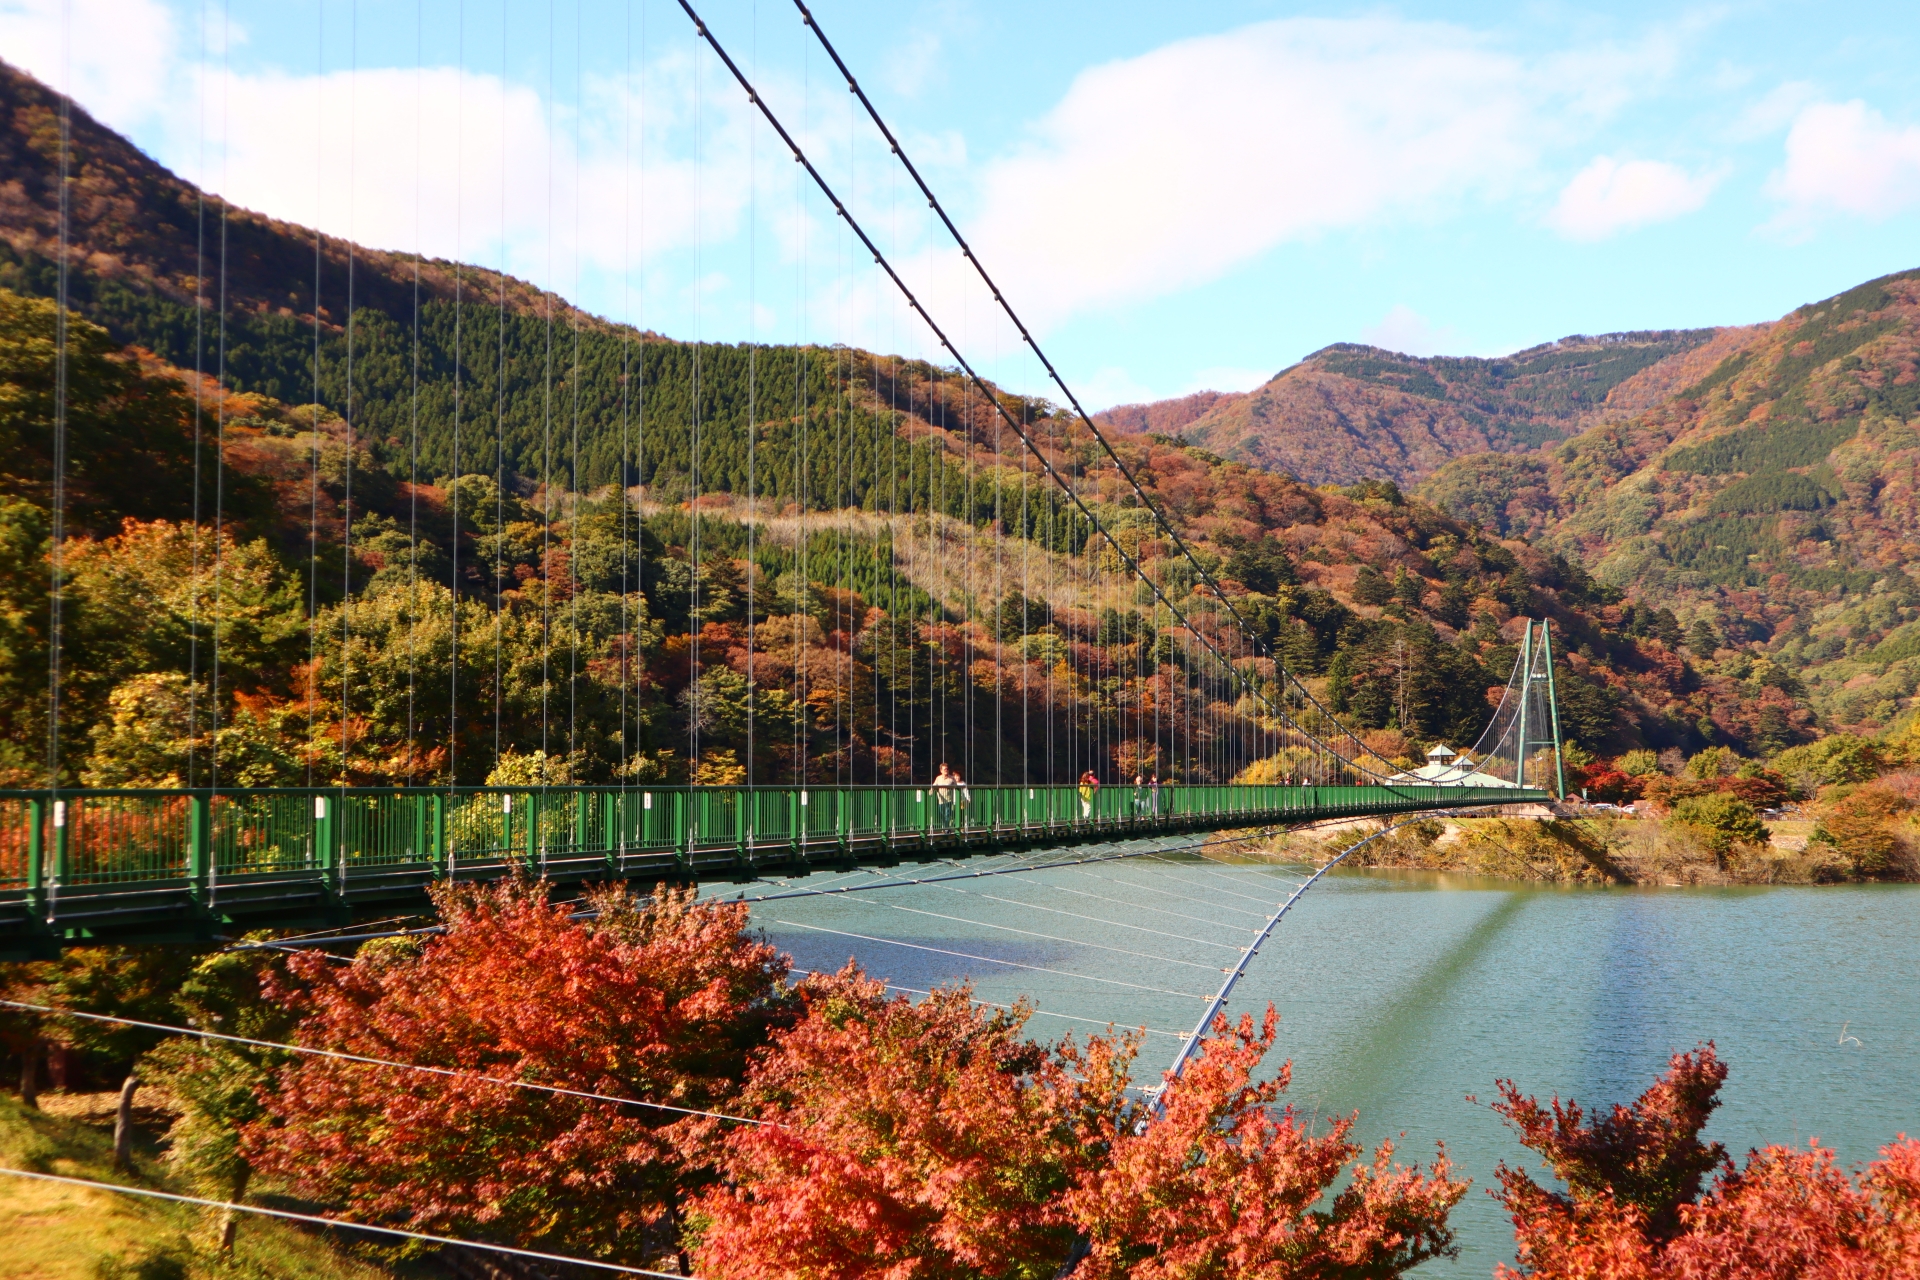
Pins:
x: 796, y: 832
x: 36, y: 855
x: 62, y: 849
x: 437, y: 833
x: 610, y: 827
x: 536, y: 844
x: 323, y: 837
x: 743, y: 826
x: 199, y: 844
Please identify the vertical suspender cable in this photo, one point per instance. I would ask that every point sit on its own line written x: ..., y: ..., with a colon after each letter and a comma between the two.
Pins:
x: 575, y: 479
x: 753, y: 386
x: 56, y: 551
x: 546, y: 453
x: 413, y: 399
x: 199, y: 399
x: 220, y: 425
x: 629, y: 652
x: 500, y: 427
x: 346, y: 501
x: 694, y: 707
x: 459, y: 334
x: 313, y: 489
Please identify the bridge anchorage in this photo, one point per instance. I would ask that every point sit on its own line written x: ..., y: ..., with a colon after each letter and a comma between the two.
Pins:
x: 93, y: 866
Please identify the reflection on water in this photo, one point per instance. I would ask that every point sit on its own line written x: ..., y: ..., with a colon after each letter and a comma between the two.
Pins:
x: 1401, y: 993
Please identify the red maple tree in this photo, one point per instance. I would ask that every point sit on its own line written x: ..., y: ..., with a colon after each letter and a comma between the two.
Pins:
x: 1221, y: 1184
x: 929, y: 1141
x: 926, y: 1140
x: 657, y: 999
x: 1634, y: 1208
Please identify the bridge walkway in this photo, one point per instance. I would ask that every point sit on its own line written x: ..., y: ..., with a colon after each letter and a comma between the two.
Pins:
x: 154, y: 865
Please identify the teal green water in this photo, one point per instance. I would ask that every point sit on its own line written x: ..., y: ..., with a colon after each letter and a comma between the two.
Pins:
x: 1401, y: 993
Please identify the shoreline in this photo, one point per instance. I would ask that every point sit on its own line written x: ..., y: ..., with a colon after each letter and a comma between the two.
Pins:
x: 1583, y: 849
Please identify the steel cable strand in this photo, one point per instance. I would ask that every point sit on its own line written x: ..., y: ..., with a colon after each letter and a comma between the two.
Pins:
x: 1075, y: 915
x: 1026, y: 336
x: 1045, y: 937
x: 1219, y: 1001
x: 1034, y: 1009
x: 913, y: 301
x: 313, y: 1219
x: 366, y: 1060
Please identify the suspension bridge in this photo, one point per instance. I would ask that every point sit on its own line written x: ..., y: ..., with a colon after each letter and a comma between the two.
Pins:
x: 1128, y: 699
x: 196, y: 864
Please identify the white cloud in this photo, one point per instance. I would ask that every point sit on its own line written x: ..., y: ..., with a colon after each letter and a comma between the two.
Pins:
x: 1113, y: 386
x: 114, y: 56
x: 1612, y: 195
x: 1405, y: 330
x: 1163, y: 171
x: 1844, y: 157
x: 462, y: 164
x: 1226, y: 377
x: 1773, y: 112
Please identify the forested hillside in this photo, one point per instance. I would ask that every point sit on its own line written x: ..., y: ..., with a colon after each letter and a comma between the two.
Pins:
x: 1350, y: 413
x: 556, y: 579
x: 1770, y: 503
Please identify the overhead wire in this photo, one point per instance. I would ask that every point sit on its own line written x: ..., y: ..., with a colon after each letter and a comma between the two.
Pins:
x: 964, y: 955
x: 1033, y: 1009
x: 313, y: 1219
x: 365, y: 1060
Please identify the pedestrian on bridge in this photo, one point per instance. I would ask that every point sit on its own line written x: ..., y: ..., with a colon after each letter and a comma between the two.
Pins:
x: 943, y: 788
x: 1089, y: 788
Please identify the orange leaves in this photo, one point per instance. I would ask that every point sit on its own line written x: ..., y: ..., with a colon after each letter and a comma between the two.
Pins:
x: 1633, y: 1209
x: 927, y: 1141
x: 1222, y: 1185
x: 657, y: 1001
x: 923, y: 1140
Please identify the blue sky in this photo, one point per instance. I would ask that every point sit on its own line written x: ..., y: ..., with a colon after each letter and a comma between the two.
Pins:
x: 1176, y: 196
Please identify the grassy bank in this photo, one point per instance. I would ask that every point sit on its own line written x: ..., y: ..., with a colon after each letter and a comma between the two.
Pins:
x: 1597, y: 850
x: 58, y: 1232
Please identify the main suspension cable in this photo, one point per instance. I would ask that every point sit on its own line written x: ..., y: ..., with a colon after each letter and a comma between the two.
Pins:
x: 913, y: 301
x: 853, y: 85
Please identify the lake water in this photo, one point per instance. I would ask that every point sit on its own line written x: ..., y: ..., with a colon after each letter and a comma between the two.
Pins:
x: 1400, y: 993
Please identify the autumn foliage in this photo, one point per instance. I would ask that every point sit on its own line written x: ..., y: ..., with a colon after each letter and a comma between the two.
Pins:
x: 656, y: 1000
x: 1221, y: 1184
x: 1634, y: 1207
x: 849, y: 1134
x: 928, y: 1140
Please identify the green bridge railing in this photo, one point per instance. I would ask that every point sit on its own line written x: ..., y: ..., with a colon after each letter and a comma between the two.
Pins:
x: 77, y: 865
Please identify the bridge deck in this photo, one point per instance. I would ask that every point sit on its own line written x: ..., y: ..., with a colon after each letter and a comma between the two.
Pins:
x: 175, y: 865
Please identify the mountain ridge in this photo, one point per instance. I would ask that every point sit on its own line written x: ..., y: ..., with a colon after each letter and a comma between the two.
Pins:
x: 1351, y: 412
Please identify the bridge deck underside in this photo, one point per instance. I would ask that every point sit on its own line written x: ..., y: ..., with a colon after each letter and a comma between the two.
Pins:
x: 181, y: 865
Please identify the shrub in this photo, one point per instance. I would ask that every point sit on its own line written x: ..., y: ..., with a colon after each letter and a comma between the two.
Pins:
x: 1610, y: 786
x: 1860, y: 827
x: 1639, y: 764
x: 1714, y: 762
x: 1719, y: 820
x: 1840, y: 757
